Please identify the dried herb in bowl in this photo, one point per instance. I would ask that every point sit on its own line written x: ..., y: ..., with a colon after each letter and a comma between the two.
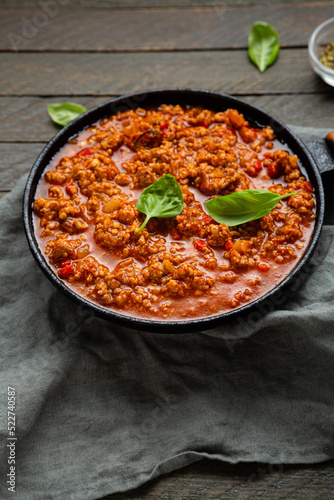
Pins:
x: 327, y: 57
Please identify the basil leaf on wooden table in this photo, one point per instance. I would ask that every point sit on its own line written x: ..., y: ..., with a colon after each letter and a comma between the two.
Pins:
x: 244, y: 206
x: 163, y: 198
x: 263, y: 45
x: 63, y: 113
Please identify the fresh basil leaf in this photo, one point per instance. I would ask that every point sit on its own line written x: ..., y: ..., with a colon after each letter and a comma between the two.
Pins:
x: 63, y: 113
x: 163, y: 198
x: 263, y: 45
x: 244, y: 206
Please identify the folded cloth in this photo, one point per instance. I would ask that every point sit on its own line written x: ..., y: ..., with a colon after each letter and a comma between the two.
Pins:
x: 101, y: 409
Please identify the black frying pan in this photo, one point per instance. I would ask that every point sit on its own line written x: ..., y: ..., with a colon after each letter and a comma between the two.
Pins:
x: 208, y: 99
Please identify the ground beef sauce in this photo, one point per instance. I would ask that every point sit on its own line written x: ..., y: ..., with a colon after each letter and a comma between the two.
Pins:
x: 179, y: 268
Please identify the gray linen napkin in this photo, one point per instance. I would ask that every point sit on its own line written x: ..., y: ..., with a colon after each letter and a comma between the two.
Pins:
x: 101, y: 409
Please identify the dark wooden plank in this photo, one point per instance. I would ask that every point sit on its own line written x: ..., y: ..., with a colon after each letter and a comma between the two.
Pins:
x: 26, y: 118
x: 213, y: 480
x: 302, y: 110
x: 104, y: 74
x: 139, y: 4
x: 61, y: 28
x: 16, y: 160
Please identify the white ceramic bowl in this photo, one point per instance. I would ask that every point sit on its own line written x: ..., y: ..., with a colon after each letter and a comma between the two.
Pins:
x: 320, y: 38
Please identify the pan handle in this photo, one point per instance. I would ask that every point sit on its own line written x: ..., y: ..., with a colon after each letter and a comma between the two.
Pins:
x: 323, y: 155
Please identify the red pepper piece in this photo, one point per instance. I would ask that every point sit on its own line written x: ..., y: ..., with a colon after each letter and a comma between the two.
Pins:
x: 205, y: 124
x: 65, y: 272
x: 257, y: 165
x: 228, y: 245
x: 84, y: 152
x: 199, y: 245
x: 65, y: 262
x: 208, y: 220
x: 70, y: 188
x: 164, y: 125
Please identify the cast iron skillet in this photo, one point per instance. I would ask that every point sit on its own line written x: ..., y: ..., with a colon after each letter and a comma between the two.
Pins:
x: 208, y: 99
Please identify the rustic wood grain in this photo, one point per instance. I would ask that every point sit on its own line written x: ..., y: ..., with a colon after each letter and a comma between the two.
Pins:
x: 26, y: 118
x: 62, y: 28
x: 315, y: 110
x: 104, y: 74
x: 138, y: 4
x: 214, y: 480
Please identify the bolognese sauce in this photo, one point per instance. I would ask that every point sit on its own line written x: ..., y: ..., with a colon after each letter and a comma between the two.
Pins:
x: 183, y: 267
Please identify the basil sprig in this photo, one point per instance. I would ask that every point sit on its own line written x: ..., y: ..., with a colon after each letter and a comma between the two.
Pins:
x: 63, y: 113
x: 263, y: 45
x: 244, y: 206
x: 163, y: 198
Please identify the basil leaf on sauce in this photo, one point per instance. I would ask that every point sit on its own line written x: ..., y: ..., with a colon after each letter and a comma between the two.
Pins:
x: 263, y: 45
x: 63, y: 113
x: 163, y: 198
x: 245, y: 206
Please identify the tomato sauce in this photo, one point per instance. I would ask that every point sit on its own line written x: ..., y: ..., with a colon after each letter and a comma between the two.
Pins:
x: 184, y: 267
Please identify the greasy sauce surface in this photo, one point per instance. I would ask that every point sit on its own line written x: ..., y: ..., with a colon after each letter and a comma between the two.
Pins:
x: 86, y: 220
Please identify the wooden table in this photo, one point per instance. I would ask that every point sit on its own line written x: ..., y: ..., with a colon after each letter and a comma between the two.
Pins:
x: 86, y: 52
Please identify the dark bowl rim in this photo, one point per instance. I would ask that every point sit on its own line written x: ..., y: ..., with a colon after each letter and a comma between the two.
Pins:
x: 133, y: 100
